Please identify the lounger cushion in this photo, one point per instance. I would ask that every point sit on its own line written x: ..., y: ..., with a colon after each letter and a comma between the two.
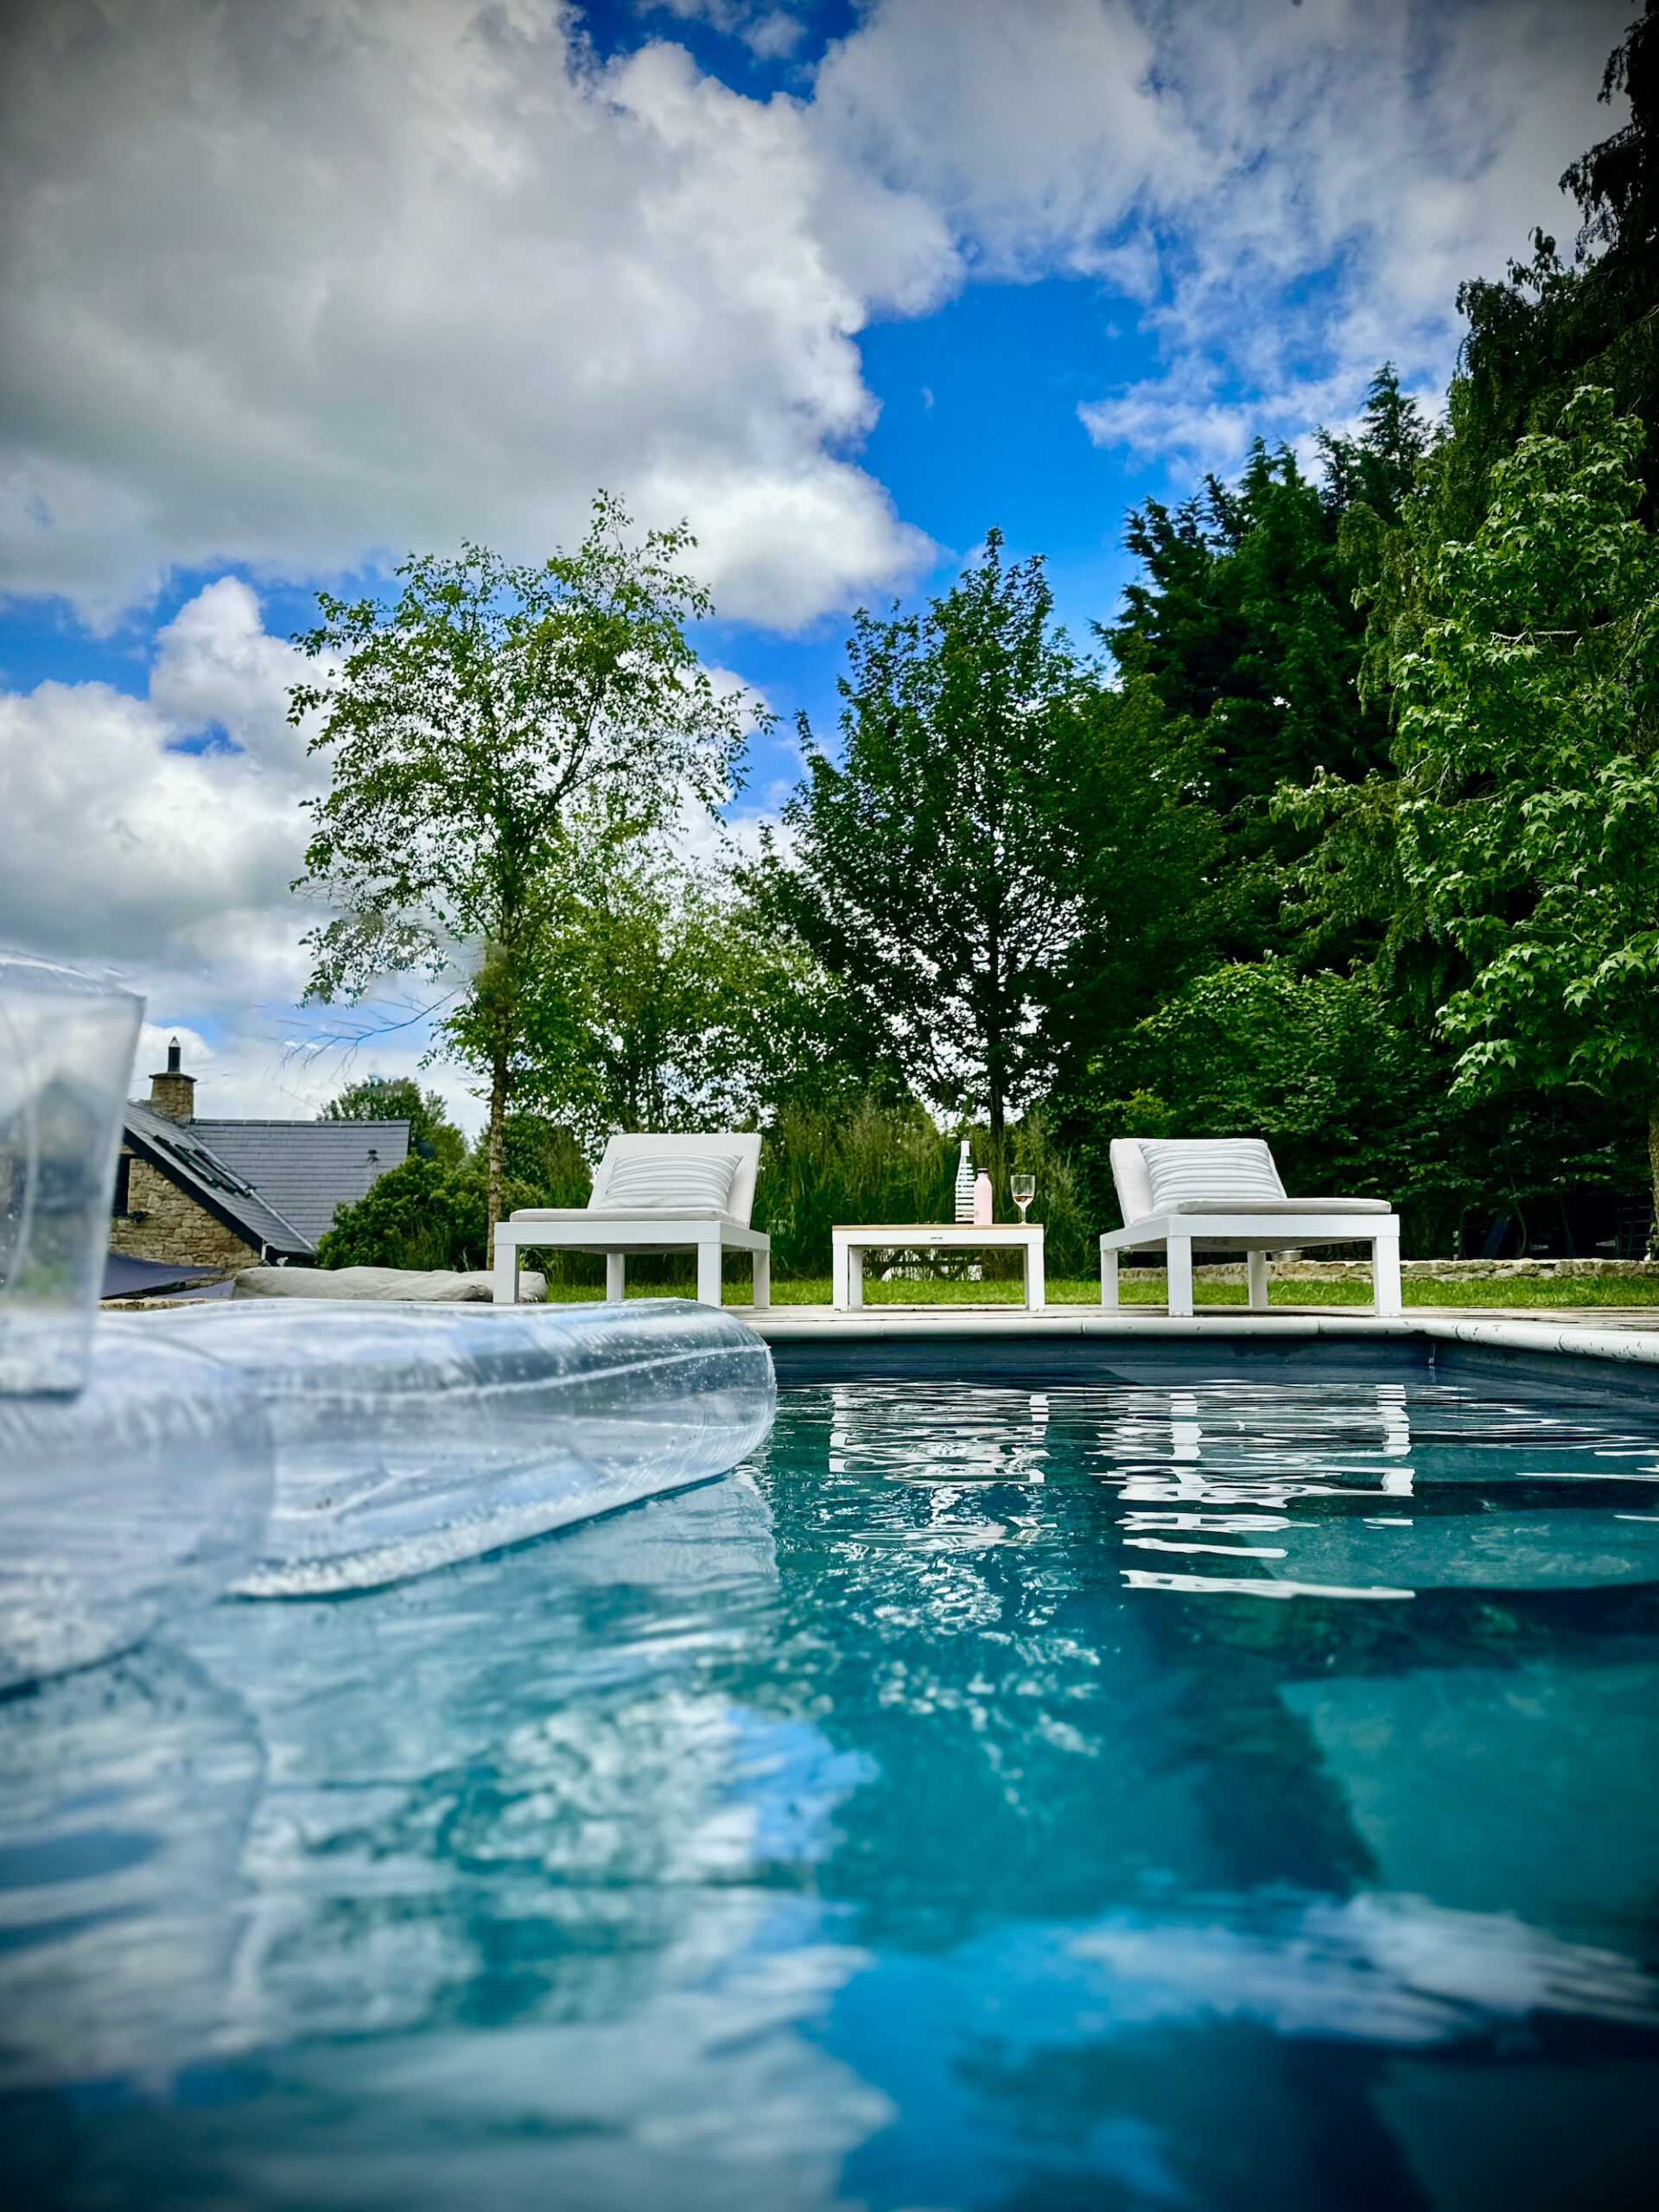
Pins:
x: 1281, y: 1205
x: 668, y: 1182
x: 1231, y: 1169
x: 579, y: 1217
x: 1129, y: 1175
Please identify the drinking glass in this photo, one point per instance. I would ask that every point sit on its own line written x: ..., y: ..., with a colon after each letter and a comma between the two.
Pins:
x: 1024, y: 1188
x: 66, y: 1042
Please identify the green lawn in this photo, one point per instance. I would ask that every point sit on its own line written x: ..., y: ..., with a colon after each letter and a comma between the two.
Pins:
x: 1145, y: 1287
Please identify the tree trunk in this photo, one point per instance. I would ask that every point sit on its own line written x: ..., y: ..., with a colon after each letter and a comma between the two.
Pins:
x: 497, y: 1144
x: 1653, y: 1168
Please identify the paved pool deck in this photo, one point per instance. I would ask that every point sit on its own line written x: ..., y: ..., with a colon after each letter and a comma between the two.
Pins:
x: 1629, y: 1334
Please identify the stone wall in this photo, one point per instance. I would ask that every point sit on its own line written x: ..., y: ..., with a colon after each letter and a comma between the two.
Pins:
x: 163, y: 1222
x: 1293, y: 1270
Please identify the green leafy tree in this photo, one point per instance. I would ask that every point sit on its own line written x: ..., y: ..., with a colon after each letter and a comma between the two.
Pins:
x: 1151, y: 852
x: 432, y: 1134
x: 1351, y: 1098
x: 1529, y: 739
x: 544, y: 1156
x: 1245, y: 623
x: 462, y: 724
x: 664, y: 1000
x: 432, y: 1210
x: 947, y: 870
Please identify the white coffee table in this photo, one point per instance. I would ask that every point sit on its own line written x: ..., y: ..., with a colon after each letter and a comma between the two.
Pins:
x: 848, y: 1245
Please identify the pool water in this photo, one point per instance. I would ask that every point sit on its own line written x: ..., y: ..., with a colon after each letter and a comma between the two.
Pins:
x: 1242, y: 1795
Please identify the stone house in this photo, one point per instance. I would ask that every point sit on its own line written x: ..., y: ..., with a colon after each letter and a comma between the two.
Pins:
x: 236, y: 1194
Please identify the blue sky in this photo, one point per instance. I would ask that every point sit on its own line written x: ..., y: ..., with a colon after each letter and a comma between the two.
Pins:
x: 292, y: 290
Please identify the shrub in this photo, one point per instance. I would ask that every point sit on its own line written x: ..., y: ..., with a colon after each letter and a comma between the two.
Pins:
x: 876, y: 1162
x: 420, y: 1214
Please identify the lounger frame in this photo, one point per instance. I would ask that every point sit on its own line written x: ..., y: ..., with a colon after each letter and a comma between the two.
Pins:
x: 1255, y: 1235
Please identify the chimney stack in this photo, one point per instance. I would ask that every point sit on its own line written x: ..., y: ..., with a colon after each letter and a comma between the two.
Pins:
x: 173, y: 1094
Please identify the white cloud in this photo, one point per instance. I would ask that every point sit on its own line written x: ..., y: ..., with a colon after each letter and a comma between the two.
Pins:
x: 1362, y: 160
x: 1036, y: 131
x: 114, y: 839
x: 302, y: 286
x: 305, y: 286
x: 125, y: 845
x: 772, y: 34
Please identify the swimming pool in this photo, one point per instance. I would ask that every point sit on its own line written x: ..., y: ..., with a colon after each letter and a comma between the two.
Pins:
x: 1023, y: 1794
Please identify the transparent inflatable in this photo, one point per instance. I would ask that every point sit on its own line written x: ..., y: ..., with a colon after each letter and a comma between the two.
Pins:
x: 146, y: 1493
x: 408, y: 1438
x: 66, y: 1043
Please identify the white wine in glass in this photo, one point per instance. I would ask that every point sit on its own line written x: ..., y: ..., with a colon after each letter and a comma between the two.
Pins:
x: 1024, y: 1188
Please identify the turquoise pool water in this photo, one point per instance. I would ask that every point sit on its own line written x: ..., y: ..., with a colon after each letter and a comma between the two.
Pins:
x: 1230, y: 1796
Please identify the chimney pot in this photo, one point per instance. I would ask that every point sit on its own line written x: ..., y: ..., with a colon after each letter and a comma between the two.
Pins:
x: 173, y: 1093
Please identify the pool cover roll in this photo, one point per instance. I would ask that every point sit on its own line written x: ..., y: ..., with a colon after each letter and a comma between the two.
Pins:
x: 406, y: 1439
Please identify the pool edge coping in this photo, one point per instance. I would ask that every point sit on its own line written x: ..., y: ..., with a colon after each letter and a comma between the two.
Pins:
x: 1623, y: 1346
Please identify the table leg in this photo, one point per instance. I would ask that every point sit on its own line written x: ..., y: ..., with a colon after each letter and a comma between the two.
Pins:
x: 855, y: 1277
x: 1036, y: 1287
x: 616, y: 1265
x: 838, y: 1274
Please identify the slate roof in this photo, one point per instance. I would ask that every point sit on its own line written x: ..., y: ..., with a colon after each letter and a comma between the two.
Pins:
x: 197, y: 1169
x: 304, y: 1169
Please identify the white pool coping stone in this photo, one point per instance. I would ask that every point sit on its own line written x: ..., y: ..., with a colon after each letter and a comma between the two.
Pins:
x: 1631, y: 1341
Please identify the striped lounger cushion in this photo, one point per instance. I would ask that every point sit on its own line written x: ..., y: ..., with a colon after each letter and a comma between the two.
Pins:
x: 671, y: 1182
x: 1239, y: 1168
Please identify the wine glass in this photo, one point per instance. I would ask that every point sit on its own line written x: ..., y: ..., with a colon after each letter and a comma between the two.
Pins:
x: 1024, y: 1188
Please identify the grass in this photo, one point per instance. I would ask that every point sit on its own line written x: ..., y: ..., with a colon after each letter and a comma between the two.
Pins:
x: 1146, y: 1287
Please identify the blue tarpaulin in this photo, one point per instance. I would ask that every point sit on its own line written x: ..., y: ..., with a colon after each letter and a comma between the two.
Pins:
x: 129, y: 1278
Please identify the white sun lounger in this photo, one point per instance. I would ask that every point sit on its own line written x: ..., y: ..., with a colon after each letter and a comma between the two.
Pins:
x: 651, y: 1194
x: 1224, y: 1196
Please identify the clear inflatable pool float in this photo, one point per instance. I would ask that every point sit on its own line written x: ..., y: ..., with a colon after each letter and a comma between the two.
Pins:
x: 150, y: 1461
x: 408, y: 1437
x: 299, y: 1451
x: 144, y: 1494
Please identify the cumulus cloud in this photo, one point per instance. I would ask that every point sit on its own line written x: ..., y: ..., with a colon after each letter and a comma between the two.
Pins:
x: 301, y: 287
x: 297, y: 286
x: 1036, y: 132
x: 161, y: 833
